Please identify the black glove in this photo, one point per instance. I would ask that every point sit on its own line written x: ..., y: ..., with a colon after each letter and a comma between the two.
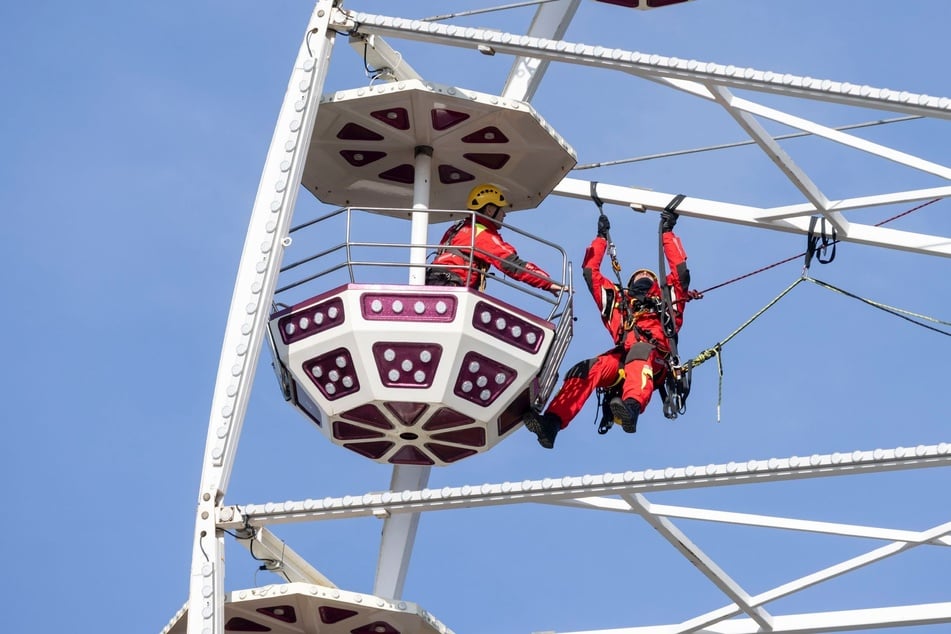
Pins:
x: 668, y: 219
x: 604, y: 225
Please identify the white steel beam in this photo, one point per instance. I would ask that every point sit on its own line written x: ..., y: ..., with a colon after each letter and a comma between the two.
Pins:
x: 914, y: 195
x: 698, y: 558
x: 825, y: 574
x: 786, y: 523
x: 810, y: 127
x: 281, y: 559
x: 752, y: 519
x: 247, y: 317
x: 750, y: 216
x: 652, y: 66
x: 379, y: 56
x: 399, y: 534
x: 587, y: 486
x: 551, y: 21
x: 843, y: 138
x: 779, y: 156
x: 701, y: 78
x: 813, y: 623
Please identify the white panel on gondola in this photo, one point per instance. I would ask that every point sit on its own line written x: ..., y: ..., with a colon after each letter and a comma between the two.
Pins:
x: 418, y: 375
x: 293, y: 608
x: 362, y: 149
x: 414, y: 374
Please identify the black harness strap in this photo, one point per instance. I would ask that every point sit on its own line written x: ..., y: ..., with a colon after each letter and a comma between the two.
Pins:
x: 676, y: 385
x: 817, y: 245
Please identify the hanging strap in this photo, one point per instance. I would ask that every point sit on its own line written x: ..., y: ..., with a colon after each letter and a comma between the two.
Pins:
x: 612, y: 250
x: 670, y: 326
x: 817, y: 245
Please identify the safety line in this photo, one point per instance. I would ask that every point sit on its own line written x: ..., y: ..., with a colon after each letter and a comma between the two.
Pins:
x: 799, y: 255
x: 898, y: 312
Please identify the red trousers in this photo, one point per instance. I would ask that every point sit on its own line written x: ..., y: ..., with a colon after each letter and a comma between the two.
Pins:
x: 643, y: 367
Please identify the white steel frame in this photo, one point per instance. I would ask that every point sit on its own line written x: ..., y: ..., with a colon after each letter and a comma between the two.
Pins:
x: 261, y: 260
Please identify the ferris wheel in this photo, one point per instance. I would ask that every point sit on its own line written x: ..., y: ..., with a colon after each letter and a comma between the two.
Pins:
x: 415, y: 377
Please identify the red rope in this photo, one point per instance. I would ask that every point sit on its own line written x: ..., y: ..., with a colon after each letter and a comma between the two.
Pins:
x: 796, y: 257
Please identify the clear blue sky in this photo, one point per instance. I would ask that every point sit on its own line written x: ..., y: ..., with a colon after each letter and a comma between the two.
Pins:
x: 134, y: 135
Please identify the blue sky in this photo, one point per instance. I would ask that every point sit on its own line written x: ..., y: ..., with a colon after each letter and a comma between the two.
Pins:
x: 135, y: 134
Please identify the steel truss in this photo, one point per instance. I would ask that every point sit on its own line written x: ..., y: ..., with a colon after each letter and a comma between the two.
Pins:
x: 626, y: 493
x: 714, y: 82
x: 261, y: 260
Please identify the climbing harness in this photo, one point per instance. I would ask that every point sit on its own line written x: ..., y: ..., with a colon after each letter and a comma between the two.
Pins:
x: 675, y: 387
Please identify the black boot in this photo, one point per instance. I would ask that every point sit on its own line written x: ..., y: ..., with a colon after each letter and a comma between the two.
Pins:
x: 545, y: 426
x: 626, y: 413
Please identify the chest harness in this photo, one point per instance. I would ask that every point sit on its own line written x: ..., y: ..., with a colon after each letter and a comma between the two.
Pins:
x: 445, y: 277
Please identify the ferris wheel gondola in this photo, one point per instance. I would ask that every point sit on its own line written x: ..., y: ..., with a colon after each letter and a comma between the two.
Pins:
x: 407, y: 373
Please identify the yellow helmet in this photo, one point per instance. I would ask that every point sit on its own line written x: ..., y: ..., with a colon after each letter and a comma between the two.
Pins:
x: 482, y: 195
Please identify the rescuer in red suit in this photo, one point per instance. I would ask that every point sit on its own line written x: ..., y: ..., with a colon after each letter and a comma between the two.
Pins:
x: 633, y: 315
x: 453, y: 257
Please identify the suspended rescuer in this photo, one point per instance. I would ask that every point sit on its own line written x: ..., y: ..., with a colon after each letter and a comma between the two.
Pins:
x: 452, y: 261
x: 634, y: 316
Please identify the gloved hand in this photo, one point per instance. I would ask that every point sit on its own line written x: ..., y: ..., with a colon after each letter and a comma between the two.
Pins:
x: 604, y: 225
x: 668, y: 219
x: 692, y: 294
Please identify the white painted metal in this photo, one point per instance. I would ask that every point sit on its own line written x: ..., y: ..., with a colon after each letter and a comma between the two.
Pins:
x: 813, y: 623
x: 655, y: 66
x: 713, y: 81
x: 779, y: 156
x: 588, y: 491
x: 399, y: 535
x: 248, y: 315
x: 293, y: 608
x: 796, y: 222
x: 280, y: 558
x: 590, y: 486
x: 422, y: 176
x: 551, y: 21
x: 381, y: 57
x: 698, y: 558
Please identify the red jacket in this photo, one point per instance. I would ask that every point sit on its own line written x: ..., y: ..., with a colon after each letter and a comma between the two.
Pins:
x: 490, y: 248
x: 615, y: 302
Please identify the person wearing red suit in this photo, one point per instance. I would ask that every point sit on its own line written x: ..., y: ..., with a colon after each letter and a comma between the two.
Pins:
x: 633, y: 315
x: 458, y: 264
